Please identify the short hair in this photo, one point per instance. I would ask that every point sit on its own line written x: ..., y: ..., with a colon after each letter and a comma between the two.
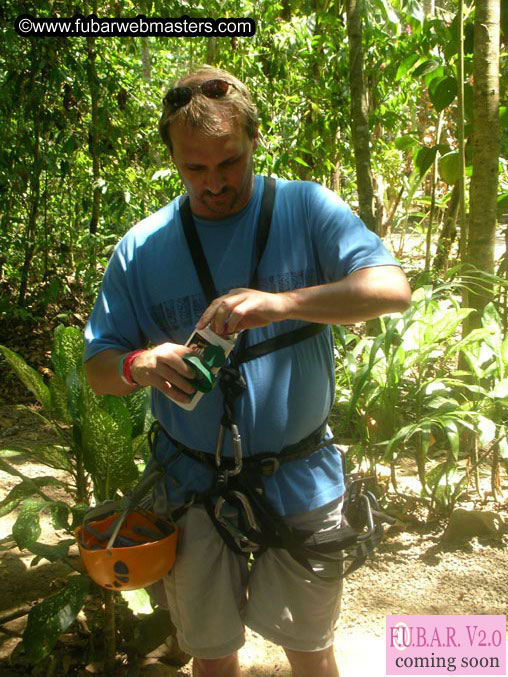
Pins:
x: 207, y: 115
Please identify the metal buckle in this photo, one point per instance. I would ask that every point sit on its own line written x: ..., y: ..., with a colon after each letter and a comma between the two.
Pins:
x: 269, y: 471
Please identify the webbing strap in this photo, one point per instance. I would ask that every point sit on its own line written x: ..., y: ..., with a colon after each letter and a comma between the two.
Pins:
x: 247, y: 353
x: 196, y: 250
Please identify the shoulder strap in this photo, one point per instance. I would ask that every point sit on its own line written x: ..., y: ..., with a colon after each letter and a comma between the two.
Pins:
x: 265, y: 218
x: 196, y: 250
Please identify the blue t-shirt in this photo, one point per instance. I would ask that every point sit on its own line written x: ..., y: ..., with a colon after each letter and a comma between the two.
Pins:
x: 151, y: 294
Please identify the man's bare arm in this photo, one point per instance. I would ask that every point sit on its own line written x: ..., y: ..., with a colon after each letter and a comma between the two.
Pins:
x: 363, y: 295
x: 161, y: 367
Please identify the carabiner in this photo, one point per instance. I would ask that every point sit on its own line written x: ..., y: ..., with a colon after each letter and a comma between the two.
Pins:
x: 219, y: 445
x: 243, y: 543
x: 247, y: 508
x: 237, y: 450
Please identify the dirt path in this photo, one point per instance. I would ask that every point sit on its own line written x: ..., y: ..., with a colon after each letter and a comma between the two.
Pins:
x: 413, y: 572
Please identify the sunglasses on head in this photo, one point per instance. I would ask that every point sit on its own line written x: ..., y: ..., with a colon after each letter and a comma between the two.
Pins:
x: 212, y: 89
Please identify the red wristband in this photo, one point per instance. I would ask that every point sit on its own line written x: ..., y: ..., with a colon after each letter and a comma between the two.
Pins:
x: 126, y: 367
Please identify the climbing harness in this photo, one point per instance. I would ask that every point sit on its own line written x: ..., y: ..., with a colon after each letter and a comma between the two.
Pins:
x: 123, y: 546
x: 238, y: 481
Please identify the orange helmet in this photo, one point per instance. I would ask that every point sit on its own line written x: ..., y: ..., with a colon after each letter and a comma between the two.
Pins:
x: 143, y: 549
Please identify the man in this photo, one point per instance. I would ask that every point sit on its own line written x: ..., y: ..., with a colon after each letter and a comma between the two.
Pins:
x: 320, y: 265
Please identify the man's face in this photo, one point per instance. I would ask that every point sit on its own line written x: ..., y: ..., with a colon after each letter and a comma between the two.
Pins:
x: 216, y: 171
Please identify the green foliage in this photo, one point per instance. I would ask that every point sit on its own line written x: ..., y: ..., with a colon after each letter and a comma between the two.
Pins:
x: 54, y: 615
x: 449, y: 167
x: 96, y: 448
x: 96, y: 432
x: 402, y: 393
x: 107, y: 452
x: 28, y: 376
x: 23, y: 490
x: 442, y: 91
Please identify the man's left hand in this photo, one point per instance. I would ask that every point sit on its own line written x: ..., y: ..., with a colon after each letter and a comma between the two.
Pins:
x: 243, y: 309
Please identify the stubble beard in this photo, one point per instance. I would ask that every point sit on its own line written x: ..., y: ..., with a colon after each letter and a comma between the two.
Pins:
x: 237, y: 197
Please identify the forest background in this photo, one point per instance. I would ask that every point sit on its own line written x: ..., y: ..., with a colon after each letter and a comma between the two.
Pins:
x: 400, y: 107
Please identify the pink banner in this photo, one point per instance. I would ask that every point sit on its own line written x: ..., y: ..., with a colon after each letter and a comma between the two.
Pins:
x: 444, y: 645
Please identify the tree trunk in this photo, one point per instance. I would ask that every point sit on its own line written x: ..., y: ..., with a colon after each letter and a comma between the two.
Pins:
x: 211, y: 50
x: 147, y: 77
x: 449, y: 230
x: 484, y: 182
x: 428, y: 8
x: 359, y: 115
x: 35, y: 188
x: 93, y: 139
x: 145, y: 60
x: 430, y: 224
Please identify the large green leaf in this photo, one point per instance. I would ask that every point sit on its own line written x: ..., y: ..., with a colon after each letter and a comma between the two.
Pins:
x: 491, y: 320
x: 26, y: 530
x: 68, y: 346
x: 28, y: 376
x: 500, y: 390
x: 78, y: 512
x: 445, y: 481
x: 23, y: 490
x: 424, y: 158
x: 426, y: 67
x: 77, y: 392
x: 138, y: 404
x: 107, y: 452
x: 53, y: 553
x: 138, y: 601
x: 59, y: 406
x: 406, y: 65
x: 405, y: 142
x: 452, y: 433
x: 443, y: 92
x: 117, y: 408
x: 54, y: 615
x: 449, y: 167
x: 52, y: 455
x: 60, y: 513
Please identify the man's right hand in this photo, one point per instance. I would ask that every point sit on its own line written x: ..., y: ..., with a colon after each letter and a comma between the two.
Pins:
x: 163, y: 368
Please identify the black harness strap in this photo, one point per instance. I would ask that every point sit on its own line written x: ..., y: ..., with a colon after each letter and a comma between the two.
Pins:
x: 198, y: 255
x: 247, y: 353
x: 266, y: 462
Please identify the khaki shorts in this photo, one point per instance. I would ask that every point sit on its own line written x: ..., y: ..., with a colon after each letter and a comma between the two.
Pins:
x: 213, y: 593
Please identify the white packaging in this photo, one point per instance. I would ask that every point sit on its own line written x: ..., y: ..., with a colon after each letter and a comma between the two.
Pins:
x: 201, y: 339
